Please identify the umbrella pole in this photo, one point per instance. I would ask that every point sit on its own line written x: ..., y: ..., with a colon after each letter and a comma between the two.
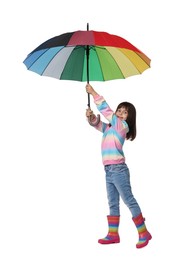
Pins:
x: 87, y: 55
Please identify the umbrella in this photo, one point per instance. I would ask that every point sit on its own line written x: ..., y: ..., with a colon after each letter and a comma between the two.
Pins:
x: 87, y: 56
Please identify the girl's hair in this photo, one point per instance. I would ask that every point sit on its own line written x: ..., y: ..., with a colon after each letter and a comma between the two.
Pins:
x: 131, y: 119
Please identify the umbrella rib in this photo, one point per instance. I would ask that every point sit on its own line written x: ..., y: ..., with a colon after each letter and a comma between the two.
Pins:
x: 137, y: 54
x: 52, y: 59
x: 118, y: 67
x: 116, y: 63
x: 35, y: 59
x: 147, y: 63
x: 100, y: 66
x: 41, y: 56
x: 94, y: 47
x: 132, y: 63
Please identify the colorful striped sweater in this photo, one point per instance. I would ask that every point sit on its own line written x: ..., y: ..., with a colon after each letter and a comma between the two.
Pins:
x: 113, y: 136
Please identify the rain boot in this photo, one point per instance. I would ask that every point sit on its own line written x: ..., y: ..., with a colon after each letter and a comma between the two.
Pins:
x: 144, y: 235
x: 112, y: 236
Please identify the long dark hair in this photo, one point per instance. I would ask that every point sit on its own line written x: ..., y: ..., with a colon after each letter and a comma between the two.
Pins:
x: 131, y: 119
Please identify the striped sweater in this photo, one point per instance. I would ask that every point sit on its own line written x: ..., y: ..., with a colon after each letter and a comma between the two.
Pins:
x: 113, y: 136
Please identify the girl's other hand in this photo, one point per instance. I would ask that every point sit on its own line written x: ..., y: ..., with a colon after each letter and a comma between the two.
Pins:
x: 89, y: 112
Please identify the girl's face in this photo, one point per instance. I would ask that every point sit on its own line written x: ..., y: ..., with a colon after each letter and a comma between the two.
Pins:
x: 122, y: 113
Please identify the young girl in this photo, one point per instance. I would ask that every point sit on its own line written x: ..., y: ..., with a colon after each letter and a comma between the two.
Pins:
x: 121, y: 126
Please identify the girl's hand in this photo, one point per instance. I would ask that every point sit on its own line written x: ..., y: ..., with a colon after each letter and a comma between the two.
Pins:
x: 90, y: 90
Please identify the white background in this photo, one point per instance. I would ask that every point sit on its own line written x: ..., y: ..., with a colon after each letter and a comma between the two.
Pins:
x: 53, y: 201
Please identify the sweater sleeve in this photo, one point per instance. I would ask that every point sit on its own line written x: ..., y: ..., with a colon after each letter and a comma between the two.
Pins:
x: 101, y: 125
x: 103, y: 107
x: 108, y: 113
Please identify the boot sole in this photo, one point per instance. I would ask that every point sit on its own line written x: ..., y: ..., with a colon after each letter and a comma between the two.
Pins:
x: 107, y: 242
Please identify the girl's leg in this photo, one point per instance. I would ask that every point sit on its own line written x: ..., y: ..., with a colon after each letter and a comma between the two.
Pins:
x: 122, y: 183
x: 113, y: 218
x: 112, y: 196
x: 121, y: 180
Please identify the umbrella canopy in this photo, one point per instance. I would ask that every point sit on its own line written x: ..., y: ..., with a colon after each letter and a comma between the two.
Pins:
x: 65, y: 57
x: 87, y: 55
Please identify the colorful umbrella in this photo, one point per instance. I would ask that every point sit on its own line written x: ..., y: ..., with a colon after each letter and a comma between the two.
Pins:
x: 87, y: 56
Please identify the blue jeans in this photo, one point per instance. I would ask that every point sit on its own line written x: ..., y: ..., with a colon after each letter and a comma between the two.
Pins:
x: 118, y: 185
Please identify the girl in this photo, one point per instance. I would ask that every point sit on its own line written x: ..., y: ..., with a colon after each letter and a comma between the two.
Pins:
x: 121, y: 126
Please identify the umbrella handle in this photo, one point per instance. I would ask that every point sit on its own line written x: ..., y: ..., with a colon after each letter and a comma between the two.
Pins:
x: 96, y: 122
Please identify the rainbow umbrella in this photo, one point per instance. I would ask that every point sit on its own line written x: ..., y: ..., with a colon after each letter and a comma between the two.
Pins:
x: 87, y: 56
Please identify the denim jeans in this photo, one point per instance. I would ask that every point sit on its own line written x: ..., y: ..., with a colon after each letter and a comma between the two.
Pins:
x: 118, y: 185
